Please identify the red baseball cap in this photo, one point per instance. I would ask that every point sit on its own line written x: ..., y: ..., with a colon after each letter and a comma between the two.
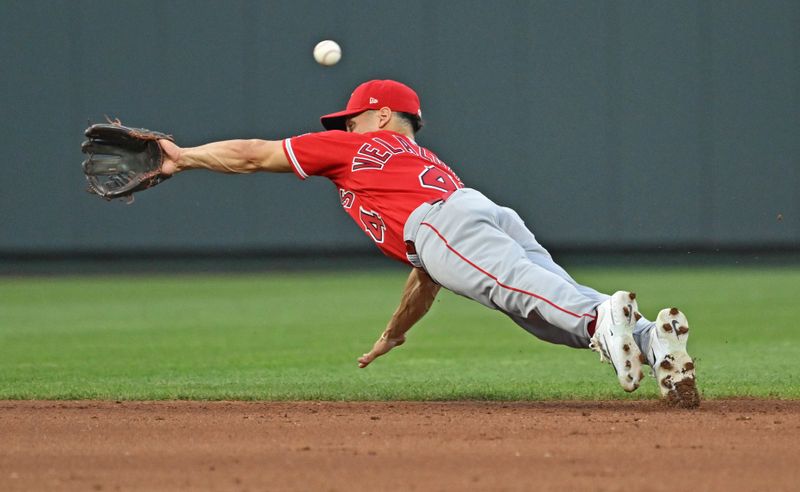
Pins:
x: 375, y: 94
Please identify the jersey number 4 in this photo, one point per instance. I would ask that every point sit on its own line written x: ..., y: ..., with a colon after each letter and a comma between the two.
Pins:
x: 433, y: 177
x: 373, y: 224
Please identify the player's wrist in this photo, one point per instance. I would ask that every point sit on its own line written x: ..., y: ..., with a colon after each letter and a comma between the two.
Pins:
x: 182, y: 160
x: 173, y: 161
x: 392, y: 337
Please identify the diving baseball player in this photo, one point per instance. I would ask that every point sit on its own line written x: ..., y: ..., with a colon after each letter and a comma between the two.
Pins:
x: 417, y: 211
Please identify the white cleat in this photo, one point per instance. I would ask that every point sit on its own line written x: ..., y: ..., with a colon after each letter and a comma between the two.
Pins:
x: 672, y: 366
x: 613, y: 338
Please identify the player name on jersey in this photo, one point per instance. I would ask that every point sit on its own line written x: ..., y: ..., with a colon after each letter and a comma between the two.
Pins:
x: 376, y: 153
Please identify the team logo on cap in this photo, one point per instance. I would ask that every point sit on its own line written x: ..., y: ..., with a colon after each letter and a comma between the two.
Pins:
x: 372, y: 100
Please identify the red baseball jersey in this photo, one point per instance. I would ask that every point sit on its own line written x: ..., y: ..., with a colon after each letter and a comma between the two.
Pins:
x: 382, y: 177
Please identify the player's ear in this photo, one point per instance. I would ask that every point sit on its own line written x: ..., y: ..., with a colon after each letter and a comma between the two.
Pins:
x: 384, y: 117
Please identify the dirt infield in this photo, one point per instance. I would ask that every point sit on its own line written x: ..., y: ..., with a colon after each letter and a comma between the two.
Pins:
x: 328, y: 446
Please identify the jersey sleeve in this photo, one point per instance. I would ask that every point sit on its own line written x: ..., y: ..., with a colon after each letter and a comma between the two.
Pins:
x: 327, y: 154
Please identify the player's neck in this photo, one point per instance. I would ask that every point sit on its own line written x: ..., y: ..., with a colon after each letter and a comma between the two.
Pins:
x: 401, y: 129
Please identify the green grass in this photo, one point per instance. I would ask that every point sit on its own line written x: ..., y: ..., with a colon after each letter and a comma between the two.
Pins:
x: 296, y: 336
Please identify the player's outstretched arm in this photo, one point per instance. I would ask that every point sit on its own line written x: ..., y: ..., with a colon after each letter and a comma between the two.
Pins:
x: 418, y: 296
x: 228, y: 156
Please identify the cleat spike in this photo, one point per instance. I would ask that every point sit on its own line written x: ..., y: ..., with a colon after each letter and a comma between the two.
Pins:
x: 667, y: 327
x: 682, y: 330
x: 667, y: 382
x: 674, y: 311
x: 637, y: 315
x: 632, y: 295
x: 627, y: 364
x: 626, y: 311
x: 665, y: 364
x: 642, y: 359
x: 688, y: 366
x: 626, y: 348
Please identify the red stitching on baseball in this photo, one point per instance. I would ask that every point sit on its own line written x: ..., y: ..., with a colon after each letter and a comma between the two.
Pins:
x: 473, y: 265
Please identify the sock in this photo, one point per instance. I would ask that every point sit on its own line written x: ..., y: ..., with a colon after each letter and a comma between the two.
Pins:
x: 590, y: 327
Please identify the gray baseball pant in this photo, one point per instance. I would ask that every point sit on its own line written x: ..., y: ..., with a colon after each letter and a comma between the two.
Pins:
x: 480, y: 250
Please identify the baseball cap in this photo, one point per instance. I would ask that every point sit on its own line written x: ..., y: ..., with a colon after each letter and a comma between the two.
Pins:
x: 375, y: 94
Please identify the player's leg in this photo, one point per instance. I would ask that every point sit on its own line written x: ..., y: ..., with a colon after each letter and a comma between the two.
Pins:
x: 613, y: 337
x: 662, y: 344
x: 464, y: 245
x: 511, y: 223
x: 515, y: 227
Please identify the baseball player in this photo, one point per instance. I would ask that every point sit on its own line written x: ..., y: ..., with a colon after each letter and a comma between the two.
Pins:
x: 417, y: 211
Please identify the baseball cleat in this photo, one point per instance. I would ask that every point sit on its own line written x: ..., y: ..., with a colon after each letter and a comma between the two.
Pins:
x: 613, y: 338
x: 672, y: 366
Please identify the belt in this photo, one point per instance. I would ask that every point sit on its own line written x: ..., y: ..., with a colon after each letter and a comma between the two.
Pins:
x: 411, y: 251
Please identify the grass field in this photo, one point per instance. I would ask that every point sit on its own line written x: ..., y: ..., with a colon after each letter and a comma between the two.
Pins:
x: 296, y: 336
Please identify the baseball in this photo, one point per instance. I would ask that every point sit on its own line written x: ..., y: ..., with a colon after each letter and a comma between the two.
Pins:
x: 327, y: 53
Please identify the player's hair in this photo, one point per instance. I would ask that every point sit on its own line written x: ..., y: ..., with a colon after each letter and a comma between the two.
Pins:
x: 413, y: 120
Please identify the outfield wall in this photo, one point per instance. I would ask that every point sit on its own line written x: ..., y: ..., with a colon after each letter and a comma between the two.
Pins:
x: 644, y: 124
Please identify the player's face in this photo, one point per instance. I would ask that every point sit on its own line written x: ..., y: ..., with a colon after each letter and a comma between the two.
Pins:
x: 368, y: 121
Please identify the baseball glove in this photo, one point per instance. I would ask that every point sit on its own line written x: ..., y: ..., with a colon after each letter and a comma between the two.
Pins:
x: 122, y: 160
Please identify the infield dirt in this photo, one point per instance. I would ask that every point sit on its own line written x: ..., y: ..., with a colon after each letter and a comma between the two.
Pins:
x: 330, y: 446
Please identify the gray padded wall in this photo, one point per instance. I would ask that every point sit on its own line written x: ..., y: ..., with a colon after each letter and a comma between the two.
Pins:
x: 643, y: 123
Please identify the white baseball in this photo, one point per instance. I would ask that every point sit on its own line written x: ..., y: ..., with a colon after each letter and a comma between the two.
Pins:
x: 327, y: 53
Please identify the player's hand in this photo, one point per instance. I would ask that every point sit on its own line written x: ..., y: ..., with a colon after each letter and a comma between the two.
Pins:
x: 172, y: 154
x: 383, y: 345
